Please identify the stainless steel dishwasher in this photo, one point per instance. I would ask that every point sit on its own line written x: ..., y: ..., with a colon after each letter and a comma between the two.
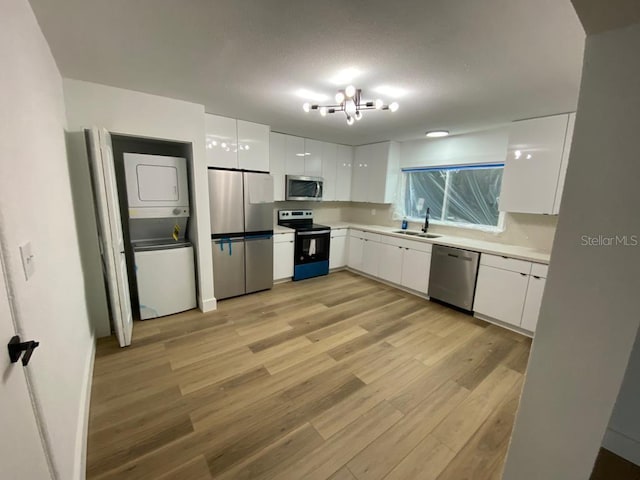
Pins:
x: 452, y: 278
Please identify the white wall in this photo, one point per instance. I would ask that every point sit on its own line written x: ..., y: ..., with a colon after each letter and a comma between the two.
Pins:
x: 139, y: 114
x: 589, y: 315
x: 489, y: 146
x: 36, y: 206
x: 623, y: 434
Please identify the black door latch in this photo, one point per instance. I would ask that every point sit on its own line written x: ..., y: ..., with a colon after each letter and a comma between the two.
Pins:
x: 16, y: 348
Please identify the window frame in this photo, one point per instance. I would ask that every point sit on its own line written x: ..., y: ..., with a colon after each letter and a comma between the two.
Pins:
x: 500, y: 227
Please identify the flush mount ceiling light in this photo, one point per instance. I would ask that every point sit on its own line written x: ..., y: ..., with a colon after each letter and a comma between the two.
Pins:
x: 350, y: 102
x: 437, y: 133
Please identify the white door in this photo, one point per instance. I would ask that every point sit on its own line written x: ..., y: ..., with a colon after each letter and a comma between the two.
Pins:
x: 343, y: 173
x: 415, y: 270
x: 110, y: 226
x: 356, y: 245
x: 500, y: 294
x: 390, y: 267
x: 532, y: 303
x: 283, y: 253
x: 338, y: 251
x: 371, y: 257
x: 21, y: 449
x: 329, y: 159
x: 253, y: 146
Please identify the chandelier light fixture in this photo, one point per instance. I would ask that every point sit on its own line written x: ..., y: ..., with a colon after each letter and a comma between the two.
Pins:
x: 350, y: 102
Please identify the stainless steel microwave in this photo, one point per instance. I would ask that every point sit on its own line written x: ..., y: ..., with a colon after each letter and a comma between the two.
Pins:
x: 303, y: 188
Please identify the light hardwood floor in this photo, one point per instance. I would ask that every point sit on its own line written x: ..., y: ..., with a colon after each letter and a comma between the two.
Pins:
x: 336, y: 377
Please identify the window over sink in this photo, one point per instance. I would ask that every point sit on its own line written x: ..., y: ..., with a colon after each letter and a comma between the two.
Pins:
x: 460, y: 196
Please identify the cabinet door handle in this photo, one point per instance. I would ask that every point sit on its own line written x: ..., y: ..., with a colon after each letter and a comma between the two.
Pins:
x: 523, y: 274
x: 536, y: 277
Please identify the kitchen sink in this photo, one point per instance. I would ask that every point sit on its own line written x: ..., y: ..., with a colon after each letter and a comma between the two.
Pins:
x: 417, y: 234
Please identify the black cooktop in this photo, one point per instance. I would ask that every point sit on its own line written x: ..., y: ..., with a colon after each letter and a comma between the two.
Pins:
x: 311, y: 227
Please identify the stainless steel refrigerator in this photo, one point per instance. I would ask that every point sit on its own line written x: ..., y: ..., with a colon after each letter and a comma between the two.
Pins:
x: 241, y: 210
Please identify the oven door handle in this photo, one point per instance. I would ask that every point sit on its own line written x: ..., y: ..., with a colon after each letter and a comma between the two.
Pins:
x: 318, y: 232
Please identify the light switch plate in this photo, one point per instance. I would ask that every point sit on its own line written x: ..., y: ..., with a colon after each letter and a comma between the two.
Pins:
x: 28, y: 260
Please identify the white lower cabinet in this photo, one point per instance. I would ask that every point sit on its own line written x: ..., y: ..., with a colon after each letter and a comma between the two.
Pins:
x: 356, y: 244
x: 283, y: 251
x: 390, y: 263
x: 500, y: 294
x: 510, y: 290
x: 371, y: 257
x: 392, y: 259
x: 415, y: 270
x: 532, y: 303
x: 338, y: 249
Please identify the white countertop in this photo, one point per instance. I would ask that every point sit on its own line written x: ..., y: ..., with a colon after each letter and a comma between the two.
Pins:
x: 512, y: 251
x: 280, y: 229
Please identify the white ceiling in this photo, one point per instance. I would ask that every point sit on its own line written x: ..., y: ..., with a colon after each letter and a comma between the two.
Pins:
x: 466, y: 64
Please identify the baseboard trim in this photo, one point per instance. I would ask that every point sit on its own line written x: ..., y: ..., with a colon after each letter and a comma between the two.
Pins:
x: 623, y: 446
x: 508, y: 326
x: 208, y: 305
x: 83, y: 423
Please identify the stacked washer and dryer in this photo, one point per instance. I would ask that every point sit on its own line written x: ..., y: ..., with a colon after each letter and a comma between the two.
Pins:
x: 158, y: 203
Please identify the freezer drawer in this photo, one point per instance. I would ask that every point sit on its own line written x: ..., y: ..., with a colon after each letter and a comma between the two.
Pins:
x: 166, y: 281
x: 228, y: 267
x: 259, y: 262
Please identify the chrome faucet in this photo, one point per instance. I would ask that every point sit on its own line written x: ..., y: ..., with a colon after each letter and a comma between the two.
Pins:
x: 426, y: 222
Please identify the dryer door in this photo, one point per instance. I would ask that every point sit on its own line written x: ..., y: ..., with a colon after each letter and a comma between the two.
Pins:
x: 156, y: 185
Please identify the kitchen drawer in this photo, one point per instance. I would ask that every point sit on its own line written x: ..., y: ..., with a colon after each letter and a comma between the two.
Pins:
x: 356, y: 233
x: 339, y: 232
x: 389, y: 240
x: 404, y: 243
x: 413, y: 245
x: 539, y: 270
x: 505, y: 263
x: 374, y: 237
x: 283, y: 237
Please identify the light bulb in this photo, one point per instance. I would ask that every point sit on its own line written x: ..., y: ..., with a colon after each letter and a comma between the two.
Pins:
x: 323, y: 111
x: 379, y: 104
x: 350, y: 120
x: 437, y: 133
x: 339, y: 97
x: 350, y: 91
x: 306, y: 107
x: 358, y: 115
x: 394, y: 106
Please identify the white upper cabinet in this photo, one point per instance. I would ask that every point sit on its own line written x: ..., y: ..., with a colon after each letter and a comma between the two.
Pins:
x: 343, y: 173
x: 253, y: 146
x: 221, y: 141
x: 277, y: 161
x: 532, y: 166
x: 312, y: 158
x: 294, y: 155
x: 232, y: 143
x: 375, y: 173
x: 565, y: 162
x: 329, y: 169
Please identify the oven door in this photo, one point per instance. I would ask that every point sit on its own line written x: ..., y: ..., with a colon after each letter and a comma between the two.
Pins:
x: 311, y: 254
x: 312, y: 247
x: 304, y: 188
